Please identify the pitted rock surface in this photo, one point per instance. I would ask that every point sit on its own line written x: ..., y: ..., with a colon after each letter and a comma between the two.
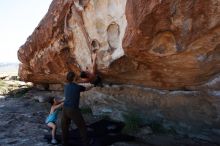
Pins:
x: 169, y: 44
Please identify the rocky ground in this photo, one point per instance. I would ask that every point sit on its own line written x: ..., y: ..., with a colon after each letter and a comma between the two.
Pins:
x: 22, y: 124
x: 22, y: 121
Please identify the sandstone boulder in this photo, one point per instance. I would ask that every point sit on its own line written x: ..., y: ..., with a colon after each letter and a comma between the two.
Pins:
x: 169, y: 44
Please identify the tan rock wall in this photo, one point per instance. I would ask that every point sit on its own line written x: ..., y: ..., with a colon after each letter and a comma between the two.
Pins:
x: 185, y: 111
x: 169, y: 44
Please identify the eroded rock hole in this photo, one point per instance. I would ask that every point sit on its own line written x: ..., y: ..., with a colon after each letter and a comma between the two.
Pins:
x: 160, y: 50
x: 83, y: 3
x: 65, y: 51
x: 95, y: 45
x: 113, y: 33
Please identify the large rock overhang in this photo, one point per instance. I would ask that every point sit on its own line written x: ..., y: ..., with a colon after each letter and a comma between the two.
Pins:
x: 165, y: 44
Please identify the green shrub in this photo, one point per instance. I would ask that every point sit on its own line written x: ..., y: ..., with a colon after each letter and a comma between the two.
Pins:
x: 2, y: 83
x: 19, y: 92
x: 86, y: 110
x: 158, y: 127
x: 132, y: 122
x: 105, y: 116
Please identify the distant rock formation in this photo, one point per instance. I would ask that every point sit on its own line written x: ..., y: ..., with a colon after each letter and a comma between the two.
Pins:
x: 166, y: 44
x: 8, y: 68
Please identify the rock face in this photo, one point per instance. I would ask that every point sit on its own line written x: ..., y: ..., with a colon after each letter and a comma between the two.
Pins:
x: 185, y: 111
x: 169, y: 44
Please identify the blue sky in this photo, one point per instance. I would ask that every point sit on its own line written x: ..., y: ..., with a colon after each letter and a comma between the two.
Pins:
x: 18, y: 18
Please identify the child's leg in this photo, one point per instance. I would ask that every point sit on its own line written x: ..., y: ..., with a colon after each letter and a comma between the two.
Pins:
x: 53, y: 131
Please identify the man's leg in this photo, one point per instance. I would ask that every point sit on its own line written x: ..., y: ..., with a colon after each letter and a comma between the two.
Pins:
x: 77, y: 117
x: 65, y: 122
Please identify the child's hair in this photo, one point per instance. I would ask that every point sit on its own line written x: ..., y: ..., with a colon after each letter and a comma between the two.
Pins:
x: 51, y: 101
x: 83, y: 74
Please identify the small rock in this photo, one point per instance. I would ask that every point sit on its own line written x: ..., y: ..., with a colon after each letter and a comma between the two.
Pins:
x: 127, y: 144
x: 107, y: 110
x: 3, y: 76
x: 200, y: 136
x: 216, y: 131
x: 2, y: 97
x: 111, y: 127
x: 13, y: 78
x: 1, y: 106
x: 13, y: 142
x: 56, y: 87
x: 45, y: 130
x: 42, y: 98
x: 41, y: 87
x: 90, y: 129
x: 143, y: 133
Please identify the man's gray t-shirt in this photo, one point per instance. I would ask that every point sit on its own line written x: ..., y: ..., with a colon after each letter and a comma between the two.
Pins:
x: 72, y: 94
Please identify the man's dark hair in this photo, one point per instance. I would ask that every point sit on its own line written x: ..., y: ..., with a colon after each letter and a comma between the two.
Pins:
x: 70, y: 76
x: 83, y: 74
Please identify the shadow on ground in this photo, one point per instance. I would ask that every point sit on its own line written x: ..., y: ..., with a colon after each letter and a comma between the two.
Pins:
x: 101, y: 133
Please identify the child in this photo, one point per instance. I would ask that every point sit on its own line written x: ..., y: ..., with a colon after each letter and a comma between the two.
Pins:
x: 52, y: 118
